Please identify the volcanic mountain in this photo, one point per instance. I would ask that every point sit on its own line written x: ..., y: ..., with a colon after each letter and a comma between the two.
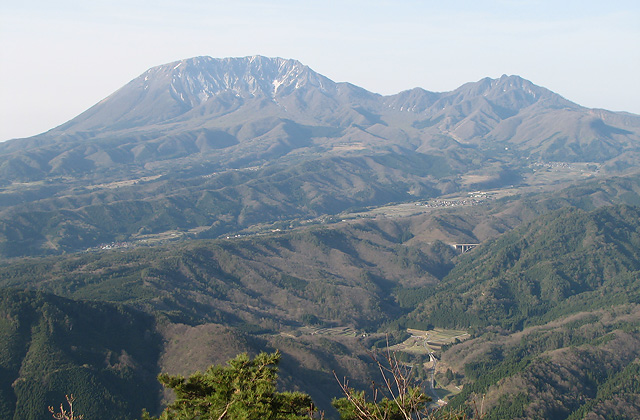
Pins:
x: 217, y: 145
x: 249, y: 111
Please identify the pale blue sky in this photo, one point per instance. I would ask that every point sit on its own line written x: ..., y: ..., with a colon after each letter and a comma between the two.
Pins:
x: 57, y: 58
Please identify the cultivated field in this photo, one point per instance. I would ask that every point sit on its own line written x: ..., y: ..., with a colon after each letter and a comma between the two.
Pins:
x: 427, y: 341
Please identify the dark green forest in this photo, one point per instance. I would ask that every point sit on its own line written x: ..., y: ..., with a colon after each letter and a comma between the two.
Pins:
x: 51, y: 346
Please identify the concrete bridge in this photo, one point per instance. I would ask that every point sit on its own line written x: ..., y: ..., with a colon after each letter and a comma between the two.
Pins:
x: 464, y: 247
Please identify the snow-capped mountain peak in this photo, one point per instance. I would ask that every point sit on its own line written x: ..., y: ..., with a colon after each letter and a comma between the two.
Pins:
x: 195, y: 80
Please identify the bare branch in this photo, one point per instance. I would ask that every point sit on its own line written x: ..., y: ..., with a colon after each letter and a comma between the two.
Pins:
x: 64, y: 414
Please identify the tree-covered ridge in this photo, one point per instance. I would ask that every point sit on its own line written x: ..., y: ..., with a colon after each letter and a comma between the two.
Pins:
x: 575, y: 367
x: 51, y: 346
x: 262, y: 293
x: 342, y: 275
x: 564, y: 262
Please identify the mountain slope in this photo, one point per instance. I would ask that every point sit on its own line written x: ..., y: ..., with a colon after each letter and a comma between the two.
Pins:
x: 581, y: 366
x: 220, y: 108
x: 218, y: 145
x: 101, y: 353
x: 343, y: 275
x: 563, y: 262
x: 555, y: 309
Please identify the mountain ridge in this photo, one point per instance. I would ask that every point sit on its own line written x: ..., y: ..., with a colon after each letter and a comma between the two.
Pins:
x: 225, y: 93
x: 178, y: 87
x: 240, y: 141
x: 196, y: 80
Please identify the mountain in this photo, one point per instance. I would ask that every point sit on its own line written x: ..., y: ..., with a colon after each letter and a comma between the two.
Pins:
x: 254, y: 105
x: 204, y: 87
x: 252, y: 110
x: 206, y: 147
x: 216, y: 206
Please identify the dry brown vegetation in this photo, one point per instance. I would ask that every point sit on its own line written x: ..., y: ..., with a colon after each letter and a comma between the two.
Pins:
x: 560, y: 373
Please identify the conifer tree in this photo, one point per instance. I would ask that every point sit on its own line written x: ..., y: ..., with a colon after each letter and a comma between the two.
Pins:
x: 245, y: 389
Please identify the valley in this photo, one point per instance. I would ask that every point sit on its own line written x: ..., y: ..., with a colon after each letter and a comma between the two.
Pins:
x: 213, y: 207
x: 544, y: 178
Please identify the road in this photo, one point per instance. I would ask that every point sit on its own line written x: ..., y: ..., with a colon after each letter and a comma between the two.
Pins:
x: 432, y: 382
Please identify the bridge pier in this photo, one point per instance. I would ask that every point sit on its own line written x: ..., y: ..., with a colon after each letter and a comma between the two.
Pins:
x: 464, y: 247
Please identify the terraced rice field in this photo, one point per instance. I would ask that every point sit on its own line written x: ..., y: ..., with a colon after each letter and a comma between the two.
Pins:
x: 426, y: 341
x: 345, y: 331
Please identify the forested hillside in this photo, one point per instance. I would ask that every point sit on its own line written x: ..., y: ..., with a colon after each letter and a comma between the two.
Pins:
x: 558, y: 294
x: 103, y: 353
x: 555, y: 306
x: 575, y: 367
x: 215, y: 299
x: 345, y: 276
x: 563, y: 262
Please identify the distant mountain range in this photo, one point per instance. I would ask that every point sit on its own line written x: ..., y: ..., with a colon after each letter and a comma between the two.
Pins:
x: 249, y: 111
x: 213, y: 146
